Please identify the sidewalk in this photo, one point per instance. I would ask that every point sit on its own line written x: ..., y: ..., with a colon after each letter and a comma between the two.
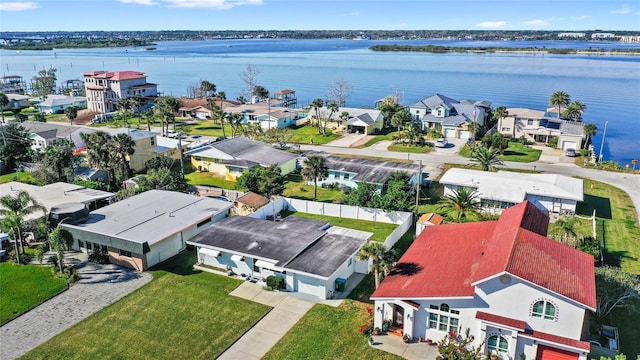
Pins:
x: 410, y: 351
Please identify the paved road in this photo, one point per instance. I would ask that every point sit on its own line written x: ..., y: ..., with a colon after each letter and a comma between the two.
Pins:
x: 100, y: 286
x: 432, y: 164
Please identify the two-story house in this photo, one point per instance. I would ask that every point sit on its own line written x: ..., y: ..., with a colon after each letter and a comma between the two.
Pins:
x: 105, y: 88
x: 448, y: 116
x: 535, y: 126
x: 517, y: 291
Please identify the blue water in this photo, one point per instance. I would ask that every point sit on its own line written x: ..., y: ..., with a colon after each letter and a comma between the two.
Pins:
x: 608, y: 85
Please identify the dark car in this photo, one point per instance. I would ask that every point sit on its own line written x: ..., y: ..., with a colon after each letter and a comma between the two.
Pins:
x: 571, y: 153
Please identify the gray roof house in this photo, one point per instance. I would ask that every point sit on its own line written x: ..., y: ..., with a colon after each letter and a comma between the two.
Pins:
x: 231, y: 157
x: 147, y: 228
x: 365, y: 121
x: 449, y: 116
x: 309, y: 255
x: 44, y: 134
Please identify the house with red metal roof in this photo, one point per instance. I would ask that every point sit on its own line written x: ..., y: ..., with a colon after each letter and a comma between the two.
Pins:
x: 517, y: 291
x: 105, y: 88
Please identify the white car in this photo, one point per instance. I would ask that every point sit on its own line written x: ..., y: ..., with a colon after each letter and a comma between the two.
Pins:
x: 441, y: 143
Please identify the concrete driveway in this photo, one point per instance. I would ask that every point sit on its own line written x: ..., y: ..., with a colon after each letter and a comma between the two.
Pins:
x: 99, y: 286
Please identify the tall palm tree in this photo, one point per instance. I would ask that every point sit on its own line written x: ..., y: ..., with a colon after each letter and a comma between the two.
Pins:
x: 136, y: 101
x: 400, y: 119
x: 235, y: 121
x: 499, y: 113
x: 333, y: 108
x: 123, y: 105
x: 487, y: 158
x: 316, y: 105
x: 461, y: 202
x: 72, y: 113
x: 474, y: 127
x: 574, y: 111
x: 315, y: 168
x: 375, y: 251
x: 14, y: 210
x: 565, y: 228
x: 123, y: 148
x: 589, y: 131
x: 147, y: 117
x: 59, y: 240
x: 4, y: 101
x: 560, y: 99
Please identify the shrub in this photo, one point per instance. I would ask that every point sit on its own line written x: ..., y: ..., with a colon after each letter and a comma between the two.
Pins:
x: 274, y: 282
x: 99, y: 257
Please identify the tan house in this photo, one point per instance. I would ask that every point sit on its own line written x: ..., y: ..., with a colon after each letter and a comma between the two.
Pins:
x: 249, y: 203
x: 145, y: 149
x: 200, y: 109
x: 536, y: 127
x: 105, y: 88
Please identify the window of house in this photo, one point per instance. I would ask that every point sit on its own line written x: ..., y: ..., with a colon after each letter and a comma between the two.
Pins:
x: 153, y: 141
x: 442, y: 318
x: 529, y: 122
x: 81, y: 243
x: 346, y: 176
x: 88, y: 245
x: 125, y: 253
x: 544, y: 309
x: 204, y: 222
x: 506, y: 129
x: 497, y: 343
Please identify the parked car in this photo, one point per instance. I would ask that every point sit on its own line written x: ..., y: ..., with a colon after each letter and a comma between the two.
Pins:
x: 441, y: 143
x: 571, y: 153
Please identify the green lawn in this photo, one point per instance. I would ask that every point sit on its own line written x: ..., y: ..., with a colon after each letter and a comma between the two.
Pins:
x: 326, y: 332
x: 23, y: 177
x: 297, y: 188
x: 25, y: 287
x: 380, y: 230
x: 208, y: 128
x: 306, y: 134
x: 180, y: 314
x: 209, y: 179
x: 516, y: 152
x: 384, y: 134
x: 413, y: 149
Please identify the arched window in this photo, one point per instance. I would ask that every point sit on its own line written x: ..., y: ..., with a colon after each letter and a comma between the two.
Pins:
x: 443, y: 318
x: 544, y: 309
x: 444, y: 307
x: 498, y: 343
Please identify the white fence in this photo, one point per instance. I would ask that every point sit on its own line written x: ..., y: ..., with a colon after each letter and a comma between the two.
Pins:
x: 404, y: 220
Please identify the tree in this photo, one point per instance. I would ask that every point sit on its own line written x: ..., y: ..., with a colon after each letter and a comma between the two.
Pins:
x: 455, y: 347
x: 474, y: 127
x: 344, y: 118
x: 496, y: 141
x: 264, y: 181
x: 164, y: 173
x: 487, y: 158
x: 15, y: 145
x: 147, y: 117
x: 39, y: 117
x: 333, y: 108
x: 165, y: 108
x: 373, y: 250
x: 44, y: 83
x: 460, y: 202
x: 315, y: 168
x: 281, y: 136
x: 136, y: 102
x: 72, y: 113
x: 4, y: 101
x: 208, y: 89
x: 316, y: 105
x: 500, y: 113
x: 217, y: 114
x: 261, y: 92
x: 20, y: 117
x: 123, y: 147
x: 413, y: 134
x: 589, y: 131
x: 13, y: 211
x: 366, y: 194
x: 565, y: 228
x: 59, y: 240
x: 250, y: 78
x: 235, y: 121
x: 339, y: 91
x: 400, y: 119
x: 399, y: 194
x: 388, y: 108
x: 574, y: 111
x: 58, y: 162
x: 560, y: 99
x: 616, y: 289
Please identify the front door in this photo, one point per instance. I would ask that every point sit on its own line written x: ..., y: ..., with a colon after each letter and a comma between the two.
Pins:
x: 398, y: 315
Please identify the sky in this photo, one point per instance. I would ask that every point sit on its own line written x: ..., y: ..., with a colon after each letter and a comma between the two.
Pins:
x: 88, y: 15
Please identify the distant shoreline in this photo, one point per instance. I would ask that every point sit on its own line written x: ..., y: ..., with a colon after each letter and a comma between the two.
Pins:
x: 482, y: 50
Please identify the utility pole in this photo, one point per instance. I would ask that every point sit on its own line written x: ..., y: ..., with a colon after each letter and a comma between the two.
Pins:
x: 180, y: 152
x: 418, y: 183
x: 604, y: 133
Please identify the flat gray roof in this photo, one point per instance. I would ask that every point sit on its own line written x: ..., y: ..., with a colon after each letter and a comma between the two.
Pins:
x: 327, y: 254
x: 151, y: 216
x: 369, y: 170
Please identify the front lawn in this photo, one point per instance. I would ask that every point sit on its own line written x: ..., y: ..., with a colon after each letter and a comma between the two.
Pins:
x: 413, y: 149
x: 516, y: 152
x: 20, y: 176
x: 325, y: 332
x: 25, y: 287
x: 209, y: 128
x: 180, y: 314
x: 380, y: 230
x: 205, y: 178
x: 307, y: 134
x: 385, y: 134
x: 297, y: 188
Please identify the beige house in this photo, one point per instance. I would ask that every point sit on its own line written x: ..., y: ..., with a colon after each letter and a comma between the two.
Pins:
x: 249, y: 203
x: 536, y: 127
x: 145, y: 149
x: 105, y: 88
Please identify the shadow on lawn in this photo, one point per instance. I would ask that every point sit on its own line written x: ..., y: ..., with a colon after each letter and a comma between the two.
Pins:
x: 181, y: 264
x: 602, y: 206
x: 514, y: 153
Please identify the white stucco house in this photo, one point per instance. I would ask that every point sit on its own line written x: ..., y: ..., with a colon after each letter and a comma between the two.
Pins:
x: 311, y: 256
x: 148, y: 228
x: 499, y: 190
x: 540, y: 127
x: 517, y: 291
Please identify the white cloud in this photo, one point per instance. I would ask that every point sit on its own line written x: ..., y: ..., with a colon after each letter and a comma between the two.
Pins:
x: 492, y: 24
x: 18, y: 6
x: 139, y: 2
x: 623, y: 10
x: 400, y: 25
x: 210, y: 4
x: 536, y: 22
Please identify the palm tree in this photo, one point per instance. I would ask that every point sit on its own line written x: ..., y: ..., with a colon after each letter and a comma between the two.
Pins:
x: 4, y: 101
x: 316, y: 105
x: 136, y: 101
x: 589, y: 131
x: 500, y: 113
x: 208, y: 89
x: 123, y: 148
x: 487, y: 158
x: 560, y: 99
x: 400, y: 119
x: 72, y: 113
x: 60, y: 240
x: 565, y: 227
x: 474, y: 127
x: 413, y: 134
x: 344, y: 117
x: 315, y: 168
x: 14, y: 211
x: 574, y: 111
x: 462, y: 202
x: 147, y: 117
x: 123, y: 105
x: 333, y: 108
x: 375, y: 251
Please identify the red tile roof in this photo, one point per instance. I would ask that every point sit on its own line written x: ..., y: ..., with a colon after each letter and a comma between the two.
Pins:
x: 448, y: 260
x: 115, y: 75
x: 584, y: 345
x: 497, y: 319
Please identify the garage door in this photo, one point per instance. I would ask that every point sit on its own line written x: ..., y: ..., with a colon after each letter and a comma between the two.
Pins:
x: 549, y: 353
x: 569, y: 145
x: 464, y: 135
x: 307, y: 285
x: 450, y: 133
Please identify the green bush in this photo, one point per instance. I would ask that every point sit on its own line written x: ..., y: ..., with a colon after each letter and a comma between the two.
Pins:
x: 99, y: 257
x: 553, y: 143
x: 274, y: 282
